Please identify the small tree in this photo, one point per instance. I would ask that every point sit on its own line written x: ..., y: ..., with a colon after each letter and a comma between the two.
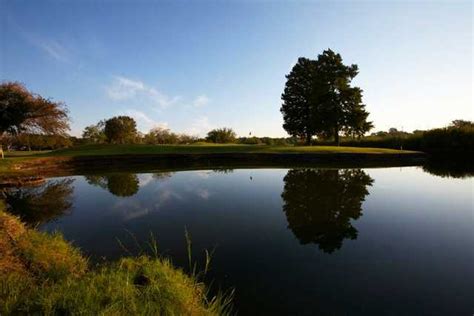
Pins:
x: 120, y: 130
x: 159, y: 135
x: 221, y: 135
x: 95, y: 133
x: 24, y: 111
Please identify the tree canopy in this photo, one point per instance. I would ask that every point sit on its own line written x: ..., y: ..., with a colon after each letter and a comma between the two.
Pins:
x: 24, y: 111
x: 120, y: 130
x: 95, y: 133
x: 319, y: 100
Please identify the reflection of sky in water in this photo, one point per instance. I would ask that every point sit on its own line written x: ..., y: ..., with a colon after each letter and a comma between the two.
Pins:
x: 414, y: 242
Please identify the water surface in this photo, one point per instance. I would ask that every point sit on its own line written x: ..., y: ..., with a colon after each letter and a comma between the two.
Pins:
x: 295, y: 241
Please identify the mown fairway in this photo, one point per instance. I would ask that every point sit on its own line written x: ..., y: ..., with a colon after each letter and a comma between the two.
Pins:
x: 201, y: 148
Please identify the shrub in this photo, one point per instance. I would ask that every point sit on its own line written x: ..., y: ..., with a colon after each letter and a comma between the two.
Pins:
x: 221, y: 135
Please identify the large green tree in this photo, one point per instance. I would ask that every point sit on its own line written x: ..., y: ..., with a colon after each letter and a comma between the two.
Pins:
x: 121, y: 130
x: 319, y: 100
x: 24, y: 111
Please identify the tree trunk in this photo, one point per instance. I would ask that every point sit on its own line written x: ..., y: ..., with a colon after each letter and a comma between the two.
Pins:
x: 336, y: 136
x: 308, y: 139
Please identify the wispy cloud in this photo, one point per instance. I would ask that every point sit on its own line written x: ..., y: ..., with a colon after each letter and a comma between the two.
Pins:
x: 54, y: 49
x: 201, y: 100
x: 123, y: 88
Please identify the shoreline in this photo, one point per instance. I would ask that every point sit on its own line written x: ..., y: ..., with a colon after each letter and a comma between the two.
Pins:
x: 76, y: 165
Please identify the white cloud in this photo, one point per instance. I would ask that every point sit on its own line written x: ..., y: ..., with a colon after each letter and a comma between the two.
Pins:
x: 145, y: 179
x: 200, y: 126
x: 203, y: 174
x: 144, y: 122
x: 161, y: 99
x: 123, y: 88
x: 203, y: 193
x: 201, y: 100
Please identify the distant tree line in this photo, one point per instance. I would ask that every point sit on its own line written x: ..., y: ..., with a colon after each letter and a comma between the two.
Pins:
x: 123, y: 130
x: 319, y: 107
x: 457, y: 137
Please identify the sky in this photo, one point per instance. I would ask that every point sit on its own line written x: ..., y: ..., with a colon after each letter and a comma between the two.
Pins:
x: 196, y: 65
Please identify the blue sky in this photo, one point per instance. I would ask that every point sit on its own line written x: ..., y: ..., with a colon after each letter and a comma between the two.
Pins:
x: 197, y: 65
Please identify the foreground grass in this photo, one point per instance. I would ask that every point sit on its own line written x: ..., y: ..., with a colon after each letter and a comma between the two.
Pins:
x: 200, y: 148
x: 43, y: 274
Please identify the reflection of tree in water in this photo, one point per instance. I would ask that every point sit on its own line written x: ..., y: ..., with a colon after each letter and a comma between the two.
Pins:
x: 38, y: 205
x: 450, y: 168
x: 119, y: 184
x: 319, y: 204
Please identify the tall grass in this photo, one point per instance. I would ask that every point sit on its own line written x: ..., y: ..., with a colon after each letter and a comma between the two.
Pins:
x: 43, y: 274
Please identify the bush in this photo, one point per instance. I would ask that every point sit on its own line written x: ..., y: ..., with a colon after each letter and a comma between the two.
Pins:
x: 449, y: 140
x: 161, y: 136
x: 221, y: 135
x: 455, y: 139
x: 37, y: 141
x: 250, y: 140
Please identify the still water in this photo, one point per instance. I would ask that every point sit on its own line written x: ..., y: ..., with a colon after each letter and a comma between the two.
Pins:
x: 290, y: 241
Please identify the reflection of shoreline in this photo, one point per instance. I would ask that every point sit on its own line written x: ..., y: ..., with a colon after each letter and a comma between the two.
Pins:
x: 320, y: 203
x: 450, y: 168
x: 146, y: 163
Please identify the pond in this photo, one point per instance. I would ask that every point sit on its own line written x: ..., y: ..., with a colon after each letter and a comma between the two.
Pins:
x: 298, y: 241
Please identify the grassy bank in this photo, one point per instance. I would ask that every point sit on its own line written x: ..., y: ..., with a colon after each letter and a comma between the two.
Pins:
x: 79, y: 159
x: 43, y: 274
x: 206, y: 148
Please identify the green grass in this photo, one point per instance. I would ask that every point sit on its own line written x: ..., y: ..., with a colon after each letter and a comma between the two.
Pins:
x: 24, y: 153
x: 42, y: 274
x: 201, y: 148
x: 12, y: 165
